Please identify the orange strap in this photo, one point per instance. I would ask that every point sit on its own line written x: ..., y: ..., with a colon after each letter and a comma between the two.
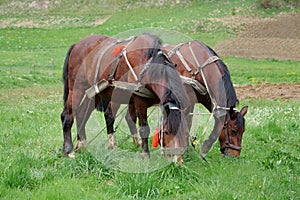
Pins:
x: 118, y: 50
x: 155, y: 138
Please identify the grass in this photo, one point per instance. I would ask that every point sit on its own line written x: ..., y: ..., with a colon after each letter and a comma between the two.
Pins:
x: 245, y: 71
x: 31, y: 162
x: 32, y: 165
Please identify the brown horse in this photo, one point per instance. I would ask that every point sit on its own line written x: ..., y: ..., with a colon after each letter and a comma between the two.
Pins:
x: 212, y: 87
x: 137, y: 60
x: 207, y: 80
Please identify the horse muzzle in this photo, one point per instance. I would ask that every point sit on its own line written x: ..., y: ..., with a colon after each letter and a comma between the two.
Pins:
x: 230, y: 150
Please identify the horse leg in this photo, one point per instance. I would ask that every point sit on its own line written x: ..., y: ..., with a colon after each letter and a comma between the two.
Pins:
x: 67, y: 117
x: 218, y: 126
x: 82, y: 116
x: 144, y: 128
x: 131, y: 121
x: 67, y: 120
x: 109, y: 115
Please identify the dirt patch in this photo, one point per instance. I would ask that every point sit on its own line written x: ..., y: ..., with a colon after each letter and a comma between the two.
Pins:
x: 270, y: 91
x: 277, y: 38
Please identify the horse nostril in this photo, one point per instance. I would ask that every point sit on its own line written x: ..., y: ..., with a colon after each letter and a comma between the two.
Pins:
x: 225, y: 153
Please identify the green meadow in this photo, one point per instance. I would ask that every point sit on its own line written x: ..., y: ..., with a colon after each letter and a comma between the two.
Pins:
x: 31, y: 162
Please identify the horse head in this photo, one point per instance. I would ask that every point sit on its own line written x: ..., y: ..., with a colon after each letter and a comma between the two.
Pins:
x: 231, y: 135
x: 173, y: 133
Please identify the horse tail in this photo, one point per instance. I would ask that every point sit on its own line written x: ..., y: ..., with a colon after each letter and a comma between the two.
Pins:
x: 65, y: 74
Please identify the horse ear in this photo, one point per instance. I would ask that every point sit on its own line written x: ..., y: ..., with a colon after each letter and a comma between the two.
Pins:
x: 232, y: 113
x: 244, y: 110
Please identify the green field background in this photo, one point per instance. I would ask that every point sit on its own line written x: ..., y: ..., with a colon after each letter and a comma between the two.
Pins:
x: 31, y: 89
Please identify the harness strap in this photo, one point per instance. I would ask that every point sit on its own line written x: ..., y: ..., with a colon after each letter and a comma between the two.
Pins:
x: 129, y: 66
x: 173, y: 51
x: 186, y: 66
x: 224, y: 108
x: 99, y: 61
x: 114, y: 69
x: 176, y: 51
x: 206, y: 63
x: 172, y: 106
x: 195, y: 84
x: 209, y: 61
x: 194, y: 56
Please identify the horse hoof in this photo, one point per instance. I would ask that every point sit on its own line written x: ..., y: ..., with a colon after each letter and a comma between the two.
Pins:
x: 81, y: 145
x: 111, y: 141
x: 146, y: 155
x: 175, y: 159
x: 67, y: 149
x: 136, y: 140
x: 71, y: 155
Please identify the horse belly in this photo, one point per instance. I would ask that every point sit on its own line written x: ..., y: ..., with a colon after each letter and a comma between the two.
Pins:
x: 117, y: 95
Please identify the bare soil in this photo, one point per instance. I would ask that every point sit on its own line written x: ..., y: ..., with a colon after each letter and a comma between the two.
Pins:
x: 277, y: 38
x: 283, y: 91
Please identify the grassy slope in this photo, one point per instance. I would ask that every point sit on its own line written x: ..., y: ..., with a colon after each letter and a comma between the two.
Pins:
x: 31, y: 166
x: 36, y: 54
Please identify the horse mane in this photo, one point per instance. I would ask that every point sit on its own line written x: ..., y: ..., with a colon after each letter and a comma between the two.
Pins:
x: 156, y: 46
x: 158, y: 72
x: 174, y: 92
x: 231, y: 98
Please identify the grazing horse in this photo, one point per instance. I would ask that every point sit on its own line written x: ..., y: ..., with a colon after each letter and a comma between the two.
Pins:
x: 201, y: 67
x: 207, y: 81
x: 133, y: 62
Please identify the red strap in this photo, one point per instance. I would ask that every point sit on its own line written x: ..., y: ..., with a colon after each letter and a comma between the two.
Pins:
x: 118, y: 50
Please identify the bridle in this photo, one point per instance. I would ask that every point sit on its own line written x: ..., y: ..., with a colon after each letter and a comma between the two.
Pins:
x: 227, y: 144
x: 166, y: 150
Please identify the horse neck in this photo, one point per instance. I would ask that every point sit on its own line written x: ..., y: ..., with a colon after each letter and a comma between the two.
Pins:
x: 196, y: 54
x: 218, y: 79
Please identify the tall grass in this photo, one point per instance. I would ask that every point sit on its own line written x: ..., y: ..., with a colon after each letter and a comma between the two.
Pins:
x: 31, y: 163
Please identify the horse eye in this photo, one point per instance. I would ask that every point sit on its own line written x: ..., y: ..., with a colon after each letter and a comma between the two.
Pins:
x: 166, y: 132
x: 233, y: 131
